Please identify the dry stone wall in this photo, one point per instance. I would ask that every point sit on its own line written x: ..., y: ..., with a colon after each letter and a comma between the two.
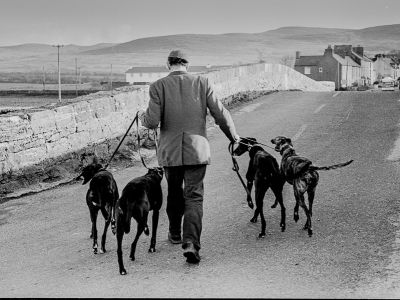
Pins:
x: 36, y: 142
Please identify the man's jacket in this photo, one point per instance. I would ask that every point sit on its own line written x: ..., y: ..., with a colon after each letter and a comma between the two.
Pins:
x: 179, y: 102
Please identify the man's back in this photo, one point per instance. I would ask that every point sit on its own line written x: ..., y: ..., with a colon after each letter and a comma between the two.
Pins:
x: 179, y: 103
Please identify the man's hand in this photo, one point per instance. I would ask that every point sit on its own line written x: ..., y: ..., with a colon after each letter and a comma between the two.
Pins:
x: 141, y: 114
x: 236, y: 138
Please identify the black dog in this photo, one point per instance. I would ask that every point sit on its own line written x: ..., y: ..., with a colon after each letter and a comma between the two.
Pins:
x: 264, y: 171
x: 300, y: 173
x: 102, y: 195
x: 139, y: 196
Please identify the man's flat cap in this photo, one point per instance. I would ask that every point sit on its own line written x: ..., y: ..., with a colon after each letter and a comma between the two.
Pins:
x: 179, y: 54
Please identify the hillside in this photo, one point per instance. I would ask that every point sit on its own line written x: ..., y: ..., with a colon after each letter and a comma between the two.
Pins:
x: 285, y: 39
x: 219, y: 49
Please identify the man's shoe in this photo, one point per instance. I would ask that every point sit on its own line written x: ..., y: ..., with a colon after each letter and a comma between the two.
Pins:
x: 191, y: 254
x: 174, y: 239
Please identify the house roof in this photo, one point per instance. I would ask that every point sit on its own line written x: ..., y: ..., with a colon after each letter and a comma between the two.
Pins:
x: 346, y: 61
x: 363, y: 57
x: 308, y: 60
x: 192, y: 69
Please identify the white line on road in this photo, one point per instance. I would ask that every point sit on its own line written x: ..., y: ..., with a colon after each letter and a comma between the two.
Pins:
x: 319, y: 108
x: 299, y: 132
x: 248, y: 108
x: 348, y: 114
x: 337, y: 93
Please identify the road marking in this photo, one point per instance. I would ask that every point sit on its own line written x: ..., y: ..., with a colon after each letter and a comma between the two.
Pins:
x: 348, y: 114
x: 248, y: 108
x: 299, y: 132
x: 319, y: 108
x: 337, y: 93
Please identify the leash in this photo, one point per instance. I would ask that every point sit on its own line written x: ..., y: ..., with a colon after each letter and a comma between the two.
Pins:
x: 255, y: 143
x: 126, y: 133
x: 236, y: 169
x: 136, y: 119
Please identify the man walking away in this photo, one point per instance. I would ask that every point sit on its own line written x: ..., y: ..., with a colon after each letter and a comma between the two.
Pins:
x: 179, y: 102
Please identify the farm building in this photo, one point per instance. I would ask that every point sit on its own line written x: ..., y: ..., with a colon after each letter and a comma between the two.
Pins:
x: 147, y: 75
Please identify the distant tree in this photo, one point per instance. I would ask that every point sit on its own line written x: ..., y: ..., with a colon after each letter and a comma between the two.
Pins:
x: 260, y: 56
x: 287, y: 60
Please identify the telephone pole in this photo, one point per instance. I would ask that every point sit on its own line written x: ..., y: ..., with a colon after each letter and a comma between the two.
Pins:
x: 44, y: 79
x: 59, y: 74
x: 76, y: 76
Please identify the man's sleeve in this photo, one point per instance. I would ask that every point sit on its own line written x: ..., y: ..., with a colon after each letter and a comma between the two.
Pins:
x: 220, y: 113
x: 151, y: 118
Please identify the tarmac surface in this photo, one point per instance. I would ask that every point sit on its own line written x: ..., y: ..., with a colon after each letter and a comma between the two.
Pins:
x: 354, y: 252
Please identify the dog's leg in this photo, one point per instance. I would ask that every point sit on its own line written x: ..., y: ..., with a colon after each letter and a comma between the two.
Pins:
x: 261, y: 189
x: 140, y: 229
x: 107, y: 216
x: 120, y: 235
x: 94, y: 213
x: 311, y: 195
x: 296, y: 210
x: 249, y: 201
x: 302, y: 203
x: 277, y: 189
x: 154, y: 231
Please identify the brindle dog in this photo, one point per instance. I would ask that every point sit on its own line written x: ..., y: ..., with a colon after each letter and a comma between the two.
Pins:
x: 139, y: 196
x: 299, y: 172
x: 264, y: 171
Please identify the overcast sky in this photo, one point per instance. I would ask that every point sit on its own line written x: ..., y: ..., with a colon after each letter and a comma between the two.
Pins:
x: 87, y: 22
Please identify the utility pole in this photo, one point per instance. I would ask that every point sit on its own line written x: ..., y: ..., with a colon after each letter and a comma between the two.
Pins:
x: 76, y: 76
x: 44, y: 79
x: 111, y: 80
x: 80, y: 75
x: 59, y: 73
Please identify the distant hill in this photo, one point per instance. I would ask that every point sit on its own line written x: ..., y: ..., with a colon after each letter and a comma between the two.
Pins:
x: 272, y: 46
x: 44, y: 48
x: 283, y: 39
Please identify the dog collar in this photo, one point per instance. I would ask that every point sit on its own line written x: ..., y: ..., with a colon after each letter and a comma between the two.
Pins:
x: 286, y: 147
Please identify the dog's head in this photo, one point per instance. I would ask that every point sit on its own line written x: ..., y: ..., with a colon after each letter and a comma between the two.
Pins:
x: 244, y: 145
x: 280, y: 142
x: 89, y: 171
x: 156, y: 172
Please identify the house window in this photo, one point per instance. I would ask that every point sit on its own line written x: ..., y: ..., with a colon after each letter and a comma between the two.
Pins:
x: 320, y: 69
x: 307, y: 70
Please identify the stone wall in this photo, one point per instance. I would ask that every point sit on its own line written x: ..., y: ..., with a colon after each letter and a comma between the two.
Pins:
x: 41, y: 142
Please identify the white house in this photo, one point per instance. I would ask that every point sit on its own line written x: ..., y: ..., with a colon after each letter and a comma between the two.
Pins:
x: 147, y: 75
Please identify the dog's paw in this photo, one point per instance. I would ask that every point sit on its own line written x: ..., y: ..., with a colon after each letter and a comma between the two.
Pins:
x: 296, y: 217
x: 122, y: 272
x: 274, y: 205
x: 94, y: 250
x: 261, y: 235
x: 146, y: 231
x: 253, y: 220
x: 103, y: 250
x: 283, y: 227
x: 310, y: 232
x: 152, y: 249
x: 132, y: 257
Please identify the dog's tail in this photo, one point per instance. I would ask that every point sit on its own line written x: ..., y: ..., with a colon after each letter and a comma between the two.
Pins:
x: 332, y: 167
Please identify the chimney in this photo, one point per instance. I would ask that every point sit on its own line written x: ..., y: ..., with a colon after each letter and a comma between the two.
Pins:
x: 328, y: 51
x: 297, y: 54
x: 342, y: 50
x: 359, y: 50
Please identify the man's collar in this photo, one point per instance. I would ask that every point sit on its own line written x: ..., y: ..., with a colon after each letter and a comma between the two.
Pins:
x: 177, y: 72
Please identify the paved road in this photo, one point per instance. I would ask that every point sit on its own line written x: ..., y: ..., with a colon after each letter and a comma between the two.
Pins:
x: 46, y: 251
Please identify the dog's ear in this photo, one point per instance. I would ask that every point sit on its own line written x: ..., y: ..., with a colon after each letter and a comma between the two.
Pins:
x: 288, y: 140
x: 79, y: 177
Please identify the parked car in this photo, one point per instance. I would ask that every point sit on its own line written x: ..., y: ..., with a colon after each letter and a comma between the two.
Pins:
x: 388, y: 84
